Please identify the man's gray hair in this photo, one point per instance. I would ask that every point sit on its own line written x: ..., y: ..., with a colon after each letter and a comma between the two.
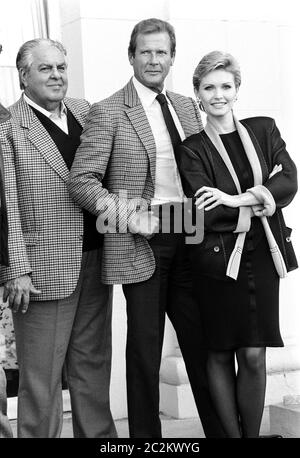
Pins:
x: 24, y: 57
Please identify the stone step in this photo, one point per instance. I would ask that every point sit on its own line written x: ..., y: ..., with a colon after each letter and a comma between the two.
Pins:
x: 285, y: 420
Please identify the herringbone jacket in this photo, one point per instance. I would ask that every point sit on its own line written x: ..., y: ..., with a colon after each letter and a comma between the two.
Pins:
x: 117, y: 154
x: 4, y: 116
x: 45, y: 224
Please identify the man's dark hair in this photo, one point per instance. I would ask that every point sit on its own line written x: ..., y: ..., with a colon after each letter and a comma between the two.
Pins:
x: 152, y: 25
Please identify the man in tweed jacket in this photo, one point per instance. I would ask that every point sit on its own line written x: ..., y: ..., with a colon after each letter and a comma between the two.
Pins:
x: 5, y: 429
x: 125, y: 162
x: 61, y: 310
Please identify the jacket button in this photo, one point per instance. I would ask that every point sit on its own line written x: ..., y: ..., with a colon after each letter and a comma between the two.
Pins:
x: 216, y: 249
x: 288, y: 239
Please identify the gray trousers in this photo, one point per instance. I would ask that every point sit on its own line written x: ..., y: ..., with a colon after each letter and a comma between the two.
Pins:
x: 5, y: 429
x: 75, y: 331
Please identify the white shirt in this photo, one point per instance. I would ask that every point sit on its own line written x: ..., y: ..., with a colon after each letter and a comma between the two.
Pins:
x: 59, y: 119
x: 168, y: 187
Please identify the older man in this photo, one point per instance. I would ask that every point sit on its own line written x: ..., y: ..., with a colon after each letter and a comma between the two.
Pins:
x: 61, y: 310
x: 5, y: 429
x: 125, y: 158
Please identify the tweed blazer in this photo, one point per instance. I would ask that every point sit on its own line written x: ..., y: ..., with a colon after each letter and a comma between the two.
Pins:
x: 4, y: 116
x: 45, y: 224
x: 118, y: 153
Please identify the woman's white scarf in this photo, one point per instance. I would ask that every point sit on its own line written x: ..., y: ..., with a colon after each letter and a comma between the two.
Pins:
x: 260, y: 191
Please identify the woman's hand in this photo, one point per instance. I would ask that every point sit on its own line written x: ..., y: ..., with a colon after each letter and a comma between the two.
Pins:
x: 212, y: 197
x: 259, y: 211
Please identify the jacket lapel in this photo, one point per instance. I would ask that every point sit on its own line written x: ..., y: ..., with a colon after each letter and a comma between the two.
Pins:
x: 221, y: 156
x: 260, y: 154
x: 220, y: 148
x: 79, y: 115
x: 41, y: 140
x: 139, y: 121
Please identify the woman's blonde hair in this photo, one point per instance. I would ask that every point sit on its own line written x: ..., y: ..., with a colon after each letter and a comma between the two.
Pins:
x: 213, y: 61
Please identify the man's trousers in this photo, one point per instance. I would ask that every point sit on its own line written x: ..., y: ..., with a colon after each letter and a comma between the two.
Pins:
x: 75, y: 331
x: 5, y: 429
x: 168, y: 290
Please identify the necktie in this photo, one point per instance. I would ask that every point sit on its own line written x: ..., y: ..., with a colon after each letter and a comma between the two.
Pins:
x: 175, y: 137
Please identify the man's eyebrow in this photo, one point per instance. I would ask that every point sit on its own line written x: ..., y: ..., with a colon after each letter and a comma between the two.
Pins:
x: 47, y: 64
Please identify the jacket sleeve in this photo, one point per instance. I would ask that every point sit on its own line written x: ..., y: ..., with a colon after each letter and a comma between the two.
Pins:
x: 283, y: 185
x: 18, y: 259
x: 196, y: 171
x: 88, y: 170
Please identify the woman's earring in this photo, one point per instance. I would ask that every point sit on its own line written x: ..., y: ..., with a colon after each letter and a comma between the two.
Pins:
x: 200, y: 104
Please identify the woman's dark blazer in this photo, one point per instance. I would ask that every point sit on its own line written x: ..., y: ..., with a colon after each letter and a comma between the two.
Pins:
x: 4, y: 116
x: 200, y: 164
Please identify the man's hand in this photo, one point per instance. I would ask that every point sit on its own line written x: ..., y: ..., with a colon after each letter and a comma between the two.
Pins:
x: 144, y: 223
x: 18, y: 291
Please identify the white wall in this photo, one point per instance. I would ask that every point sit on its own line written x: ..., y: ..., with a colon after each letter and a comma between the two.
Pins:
x: 20, y: 20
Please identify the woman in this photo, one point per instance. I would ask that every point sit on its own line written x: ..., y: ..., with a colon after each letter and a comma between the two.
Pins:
x: 241, y: 175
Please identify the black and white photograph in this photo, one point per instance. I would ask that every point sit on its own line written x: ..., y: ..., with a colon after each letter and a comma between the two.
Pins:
x: 149, y: 219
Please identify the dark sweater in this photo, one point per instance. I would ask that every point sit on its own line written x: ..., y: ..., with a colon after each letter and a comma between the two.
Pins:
x: 67, y: 145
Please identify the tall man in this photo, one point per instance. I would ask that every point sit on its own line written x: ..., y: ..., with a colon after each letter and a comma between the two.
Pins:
x: 61, y: 310
x: 5, y: 429
x: 126, y: 156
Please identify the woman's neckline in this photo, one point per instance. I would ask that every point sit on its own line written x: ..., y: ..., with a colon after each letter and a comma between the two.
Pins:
x: 228, y: 133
